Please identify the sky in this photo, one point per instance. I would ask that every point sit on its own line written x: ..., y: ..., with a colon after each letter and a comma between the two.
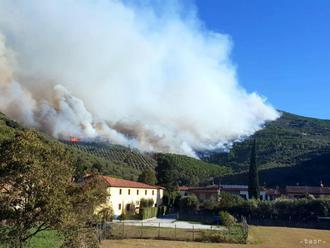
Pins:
x: 281, y: 49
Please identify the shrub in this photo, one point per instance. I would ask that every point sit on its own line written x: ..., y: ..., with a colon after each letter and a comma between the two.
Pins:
x: 235, y: 234
x: 227, y: 219
x: 228, y: 200
x: 147, y: 213
x: 146, y: 203
x: 105, y: 214
x: 189, y: 203
x: 214, y: 237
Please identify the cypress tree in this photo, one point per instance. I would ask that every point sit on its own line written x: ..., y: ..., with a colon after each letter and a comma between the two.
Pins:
x: 254, y: 190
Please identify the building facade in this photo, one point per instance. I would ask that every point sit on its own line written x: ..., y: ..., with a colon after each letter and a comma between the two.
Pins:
x: 303, y: 191
x: 202, y: 193
x: 124, y: 195
x: 243, y: 191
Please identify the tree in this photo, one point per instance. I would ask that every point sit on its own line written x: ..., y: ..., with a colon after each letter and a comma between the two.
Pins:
x: 189, y: 203
x: 148, y: 176
x: 37, y: 191
x: 253, y: 189
x: 167, y: 174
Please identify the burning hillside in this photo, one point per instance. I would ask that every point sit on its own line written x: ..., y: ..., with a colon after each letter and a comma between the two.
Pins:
x: 125, y: 73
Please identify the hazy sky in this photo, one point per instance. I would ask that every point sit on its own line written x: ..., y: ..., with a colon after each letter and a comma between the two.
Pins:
x: 281, y: 49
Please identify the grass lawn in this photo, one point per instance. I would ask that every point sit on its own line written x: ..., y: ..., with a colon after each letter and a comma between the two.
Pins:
x: 265, y: 237
x: 45, y: 239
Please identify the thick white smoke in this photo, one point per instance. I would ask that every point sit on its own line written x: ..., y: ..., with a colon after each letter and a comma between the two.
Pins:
x: 125, y: 73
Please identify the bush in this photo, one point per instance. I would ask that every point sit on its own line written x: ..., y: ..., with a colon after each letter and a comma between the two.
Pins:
x: 228, y: 200
x: 227, y: 219
x: 146, y: 203
x: 147, y: 213
x: 189, y: 203
x: 235, y: 234
x: 299, y: 210
x: 105, y: 214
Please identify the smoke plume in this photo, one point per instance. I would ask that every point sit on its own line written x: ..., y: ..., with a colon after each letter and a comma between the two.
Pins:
x: 152, y: 77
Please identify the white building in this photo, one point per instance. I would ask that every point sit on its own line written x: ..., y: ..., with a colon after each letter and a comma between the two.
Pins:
x: 123, y: 194
x: 243, y: 191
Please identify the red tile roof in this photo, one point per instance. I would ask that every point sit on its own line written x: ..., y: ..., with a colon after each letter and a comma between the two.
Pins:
x: 116, y: 182
x: 213, y: 188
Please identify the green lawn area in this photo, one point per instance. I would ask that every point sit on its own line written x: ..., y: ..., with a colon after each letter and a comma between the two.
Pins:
x: 45, y: 239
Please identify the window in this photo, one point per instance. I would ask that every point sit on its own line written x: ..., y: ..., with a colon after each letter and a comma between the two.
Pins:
x: 153, y: 192
x: 120, y: 191
x: 137, y: 192
x: 145, y: 192
x: 129, y: 191
x: 119, y: 206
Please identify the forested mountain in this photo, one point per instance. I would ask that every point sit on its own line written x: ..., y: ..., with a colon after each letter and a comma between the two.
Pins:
x: 292, y: 149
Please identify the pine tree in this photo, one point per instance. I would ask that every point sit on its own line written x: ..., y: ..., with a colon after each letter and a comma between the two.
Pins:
x: 254, y: 190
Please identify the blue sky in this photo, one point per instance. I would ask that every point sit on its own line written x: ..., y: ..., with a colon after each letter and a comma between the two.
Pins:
x: 281, y: 49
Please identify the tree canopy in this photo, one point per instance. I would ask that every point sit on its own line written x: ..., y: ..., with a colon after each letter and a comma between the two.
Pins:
x: 253, y: 189
x: 148, y: 176
x: 37, y: 191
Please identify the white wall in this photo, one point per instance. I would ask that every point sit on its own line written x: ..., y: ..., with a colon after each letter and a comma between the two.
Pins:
x: 115, y: 198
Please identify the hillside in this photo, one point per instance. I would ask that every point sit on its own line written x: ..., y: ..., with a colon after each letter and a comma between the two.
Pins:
x: 117, y: 160
x: 291, y: 149
x: 286, y: 150
x: 193, y: 171
x: 82, y: 160
x: 116, y: 153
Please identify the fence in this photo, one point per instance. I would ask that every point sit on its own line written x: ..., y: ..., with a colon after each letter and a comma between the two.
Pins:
x: 163, y: 231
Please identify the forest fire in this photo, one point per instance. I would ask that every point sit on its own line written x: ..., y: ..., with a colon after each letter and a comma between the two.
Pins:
x: 74, y: 139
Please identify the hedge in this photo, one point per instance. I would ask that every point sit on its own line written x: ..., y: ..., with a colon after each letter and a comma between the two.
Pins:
x: 147, y: 213
x: 298, y: 209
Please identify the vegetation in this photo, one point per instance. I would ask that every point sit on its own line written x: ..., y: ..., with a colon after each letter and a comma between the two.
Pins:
x: 227, y: 219
x: 146, y: 203
x: 123, y: 156
x: 288, y: 149
x: 37, y: 192
x: 270, y: 237
x: 176, y: 169
x: 297, y: 211
x: 189, y: 204
x: 228, y: 200
x: 148, y: 176
x: 235, y: 233
x: 253, y: 189
x: 148, y: 212
x: 105, y: 213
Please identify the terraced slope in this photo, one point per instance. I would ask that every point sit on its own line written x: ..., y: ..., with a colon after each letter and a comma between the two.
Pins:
x: 193, y: 171
x: 116, y: 153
